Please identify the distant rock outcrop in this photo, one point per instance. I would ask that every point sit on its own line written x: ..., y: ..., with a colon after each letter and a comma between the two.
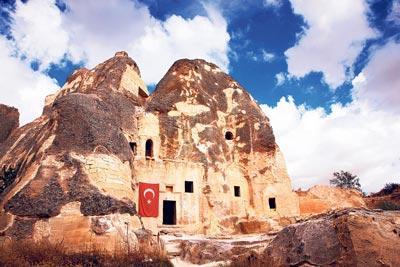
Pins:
x: 322, y: 198
x: 387, y: 199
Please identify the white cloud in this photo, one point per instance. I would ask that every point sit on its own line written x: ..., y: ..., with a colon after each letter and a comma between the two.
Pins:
x: 94, y: 30
x: 360, y: 137
x: 260, y: 56
x: 336, y: 33
x: 252, y: 55
x: 280, y: 78
x: 36, y: 28
x: 394, y: 15
x: 273, y: 3
x: 354, y: 138
x: 97, y: 29
x: 267, y: 57
x: 200, y: 37
x: 22, y: 87
x: 379, y: 82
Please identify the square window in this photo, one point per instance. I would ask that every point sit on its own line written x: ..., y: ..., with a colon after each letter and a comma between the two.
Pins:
x: 272, y: 203
x: 169, y: 188
x: 188, y: 187
x: 236, y: 190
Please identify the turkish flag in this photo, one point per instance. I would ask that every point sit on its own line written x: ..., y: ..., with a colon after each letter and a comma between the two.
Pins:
x: 148, y: 200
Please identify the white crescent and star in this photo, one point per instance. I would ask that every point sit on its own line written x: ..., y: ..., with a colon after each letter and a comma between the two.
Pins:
x: 151, y: 191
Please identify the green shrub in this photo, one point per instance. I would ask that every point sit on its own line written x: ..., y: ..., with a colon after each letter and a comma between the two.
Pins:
x: 390, y: 188
x: 344, y: 179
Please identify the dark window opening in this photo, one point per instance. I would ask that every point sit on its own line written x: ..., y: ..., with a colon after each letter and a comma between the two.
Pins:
x: 229, y: 135
x: 133, y: 147
x: 188, y: 186
x: 169, y: 212
x: 149, y: 149
x: 236, y: 190
x: 272, y: 203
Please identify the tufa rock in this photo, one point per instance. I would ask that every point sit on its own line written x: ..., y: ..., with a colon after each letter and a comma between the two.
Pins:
x: 9, y: 118
x: 76, y: 168
x: 321, y: 199
x: 351, y: 237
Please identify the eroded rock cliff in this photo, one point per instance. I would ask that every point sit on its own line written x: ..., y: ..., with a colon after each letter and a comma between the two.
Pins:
x: 72, y: 166
x: 73, y: 173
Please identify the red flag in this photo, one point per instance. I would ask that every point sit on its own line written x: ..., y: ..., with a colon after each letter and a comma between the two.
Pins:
x: 148, y: 200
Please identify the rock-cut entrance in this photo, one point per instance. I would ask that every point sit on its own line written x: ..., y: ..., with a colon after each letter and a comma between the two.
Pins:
x: 169, y: 212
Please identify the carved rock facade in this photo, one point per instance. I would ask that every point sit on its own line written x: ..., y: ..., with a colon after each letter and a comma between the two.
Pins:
x: 76, y: 168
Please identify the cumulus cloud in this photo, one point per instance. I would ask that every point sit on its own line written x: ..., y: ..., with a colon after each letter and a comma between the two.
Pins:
x: 36, y: 29
x: 200, y: 37
x: 360, y: 137
x: 335, y: 35
x: 379, y: 82
x: 97, y: 29
x: 394, y: 15
x: 22, y: 87
x: 92, y: 31
x: 354, y: 138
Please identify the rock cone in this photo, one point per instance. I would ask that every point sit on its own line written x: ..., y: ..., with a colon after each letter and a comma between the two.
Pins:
x: 73, y: 173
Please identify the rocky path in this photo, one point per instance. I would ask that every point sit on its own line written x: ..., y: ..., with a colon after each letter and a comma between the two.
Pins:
x: 194, y: 250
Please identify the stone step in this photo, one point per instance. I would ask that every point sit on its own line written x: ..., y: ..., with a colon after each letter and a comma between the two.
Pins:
x: 173, y: 249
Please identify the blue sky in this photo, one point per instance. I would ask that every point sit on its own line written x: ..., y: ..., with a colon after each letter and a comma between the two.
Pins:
x: 255, y: 29
x: 316, y: 67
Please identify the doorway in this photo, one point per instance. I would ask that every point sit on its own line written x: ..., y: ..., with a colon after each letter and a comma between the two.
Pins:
x: 169, y: 212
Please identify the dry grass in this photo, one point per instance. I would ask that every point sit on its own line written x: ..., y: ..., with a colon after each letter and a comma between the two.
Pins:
x: 28, y: 253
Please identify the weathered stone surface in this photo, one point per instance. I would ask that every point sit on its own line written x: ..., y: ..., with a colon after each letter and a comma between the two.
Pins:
x: 9, y: 118
x: 351, y: 237
x: 76, y: 151
x: 77, y: 167
x: 255, y: 226
x: 205, y: 250
x: 197, y: 106
x: 320, y: 199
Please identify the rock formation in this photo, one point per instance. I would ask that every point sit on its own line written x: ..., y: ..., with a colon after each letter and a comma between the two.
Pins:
x: 387, y: 199
x: 321, y: 199
x: 72, y: 166
x: 73, y: 173
x: 9, y: 118
x: 349, y: 237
